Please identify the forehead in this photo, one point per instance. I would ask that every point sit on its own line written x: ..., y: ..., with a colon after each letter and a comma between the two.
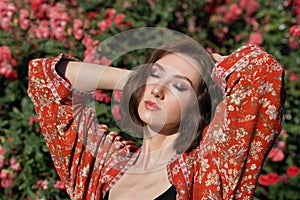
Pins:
x: 182, y: 65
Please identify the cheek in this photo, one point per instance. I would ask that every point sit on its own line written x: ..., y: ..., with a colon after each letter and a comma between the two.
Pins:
x: 178, y: 105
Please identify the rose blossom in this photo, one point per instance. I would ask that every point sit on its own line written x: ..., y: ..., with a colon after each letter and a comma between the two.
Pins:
x: 118, y: 95
x: 42, y: 183
x: 101, y: 96
x: 5, y: 54
x: 256, y: 38
x: 35, y: 4
x: 77, y: 28
x: 2, y: 150
x: 24, y: 19
x: 2, y: 160
x: 58, y: 21
x: 295, y: 31
x: 276, y: 155
x: 33, y: 120
x: 119, y: 18
x: 110, y: 13
x: 42, y: 31
x: 273, y: 178
x: 281, y: 145
x: 250, y: 6
x: 102, y: 25
x: 292, y: 171
x: 6, y: 182
x: 14, y: 165
x: 293, y: 77
x: 293, y: 43
x: 7, y: 11
x: 264, y: 180
x: 59, y: 185
x: 116, y: 112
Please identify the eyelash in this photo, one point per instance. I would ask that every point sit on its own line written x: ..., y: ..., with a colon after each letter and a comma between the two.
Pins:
x: 154, y: 73
x: 179, y: 86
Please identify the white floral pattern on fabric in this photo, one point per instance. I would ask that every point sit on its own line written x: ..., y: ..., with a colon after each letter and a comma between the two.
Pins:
x: 226, y: 164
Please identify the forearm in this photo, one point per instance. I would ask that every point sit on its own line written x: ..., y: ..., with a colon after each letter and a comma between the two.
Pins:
x: 88, y: 77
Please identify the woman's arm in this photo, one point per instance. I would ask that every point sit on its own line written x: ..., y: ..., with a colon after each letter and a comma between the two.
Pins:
x: 86, y: 155
x: 88, y: 77
x: 244, y: 127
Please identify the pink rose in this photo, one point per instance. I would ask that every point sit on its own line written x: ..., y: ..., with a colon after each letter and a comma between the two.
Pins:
x: 117, y: 95
x: 116, y: 112
x: 24, y: 22
x: 33, y: 120
x: 119, y: 18
x: 102, y: 25
x: 59, y: 185
x: 2, y: 160
x: 77, y: 23
x: 4, y: 174
x: 251, y: 7
x: 42, y: 184
x: 293, y: 43
x: 14, y: 165
x: 6, y: 182
x: 235, y: 10
x: 276, y: 155
x: 256, y: 38
x: 104, y: 61
x: 110, y: 13
x: 5, y: 53
x: 293, y: 77
x: 2, y: 150
x: 78, y: 34
x: 281, y: 145
x: 295, y: 31
x: 222, y: 10
x: 101, y: 96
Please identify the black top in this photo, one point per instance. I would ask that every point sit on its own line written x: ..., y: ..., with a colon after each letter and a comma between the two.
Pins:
x: 170, y: 194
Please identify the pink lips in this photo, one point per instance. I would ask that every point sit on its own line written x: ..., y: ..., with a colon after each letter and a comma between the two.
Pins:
x: 150, y: 105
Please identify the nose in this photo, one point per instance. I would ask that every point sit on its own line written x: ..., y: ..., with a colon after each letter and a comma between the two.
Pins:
x: 158, y: 91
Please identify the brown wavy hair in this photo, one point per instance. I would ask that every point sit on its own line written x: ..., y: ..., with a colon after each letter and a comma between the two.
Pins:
x: 194, y: 120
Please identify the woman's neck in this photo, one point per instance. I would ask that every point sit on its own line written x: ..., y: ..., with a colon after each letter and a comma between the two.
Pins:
x: 154, y: 141
x: 156, y: 151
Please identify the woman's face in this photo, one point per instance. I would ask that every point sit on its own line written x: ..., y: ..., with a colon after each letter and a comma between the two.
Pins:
x: 169, y: 91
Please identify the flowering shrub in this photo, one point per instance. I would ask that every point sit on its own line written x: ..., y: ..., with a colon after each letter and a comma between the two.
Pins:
x: 41, y: 28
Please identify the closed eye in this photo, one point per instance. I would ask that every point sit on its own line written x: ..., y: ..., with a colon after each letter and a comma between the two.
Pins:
x: 155, y: 72
x: 180, y: 86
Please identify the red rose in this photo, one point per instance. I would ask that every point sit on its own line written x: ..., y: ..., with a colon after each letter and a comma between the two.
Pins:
x: 292, y: 171
x: 295, y: 31
x: 264, y: 180
x: 273, y: 178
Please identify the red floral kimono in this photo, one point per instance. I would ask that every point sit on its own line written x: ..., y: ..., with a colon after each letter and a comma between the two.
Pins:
x: 226, y: 165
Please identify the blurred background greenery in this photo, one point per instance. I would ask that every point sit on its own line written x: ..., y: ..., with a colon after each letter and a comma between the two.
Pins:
x: 41, y: 28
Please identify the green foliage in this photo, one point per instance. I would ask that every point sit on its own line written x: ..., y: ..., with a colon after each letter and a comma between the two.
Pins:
x: 220, y: 26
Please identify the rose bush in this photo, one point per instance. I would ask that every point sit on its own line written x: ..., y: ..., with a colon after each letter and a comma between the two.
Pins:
x: 41, y: 28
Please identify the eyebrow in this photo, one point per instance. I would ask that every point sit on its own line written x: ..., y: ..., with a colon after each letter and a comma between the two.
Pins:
x: 176, y: 76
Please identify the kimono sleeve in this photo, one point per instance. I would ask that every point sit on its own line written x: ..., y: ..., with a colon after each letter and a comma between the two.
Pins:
x: 244, y: 127
x: 84, y: 153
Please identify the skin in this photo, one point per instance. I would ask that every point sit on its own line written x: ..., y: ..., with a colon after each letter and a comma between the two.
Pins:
x: 171, y: 86
x: 159, y: 146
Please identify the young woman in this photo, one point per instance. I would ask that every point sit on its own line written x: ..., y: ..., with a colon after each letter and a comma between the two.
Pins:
x: 169, y: 101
